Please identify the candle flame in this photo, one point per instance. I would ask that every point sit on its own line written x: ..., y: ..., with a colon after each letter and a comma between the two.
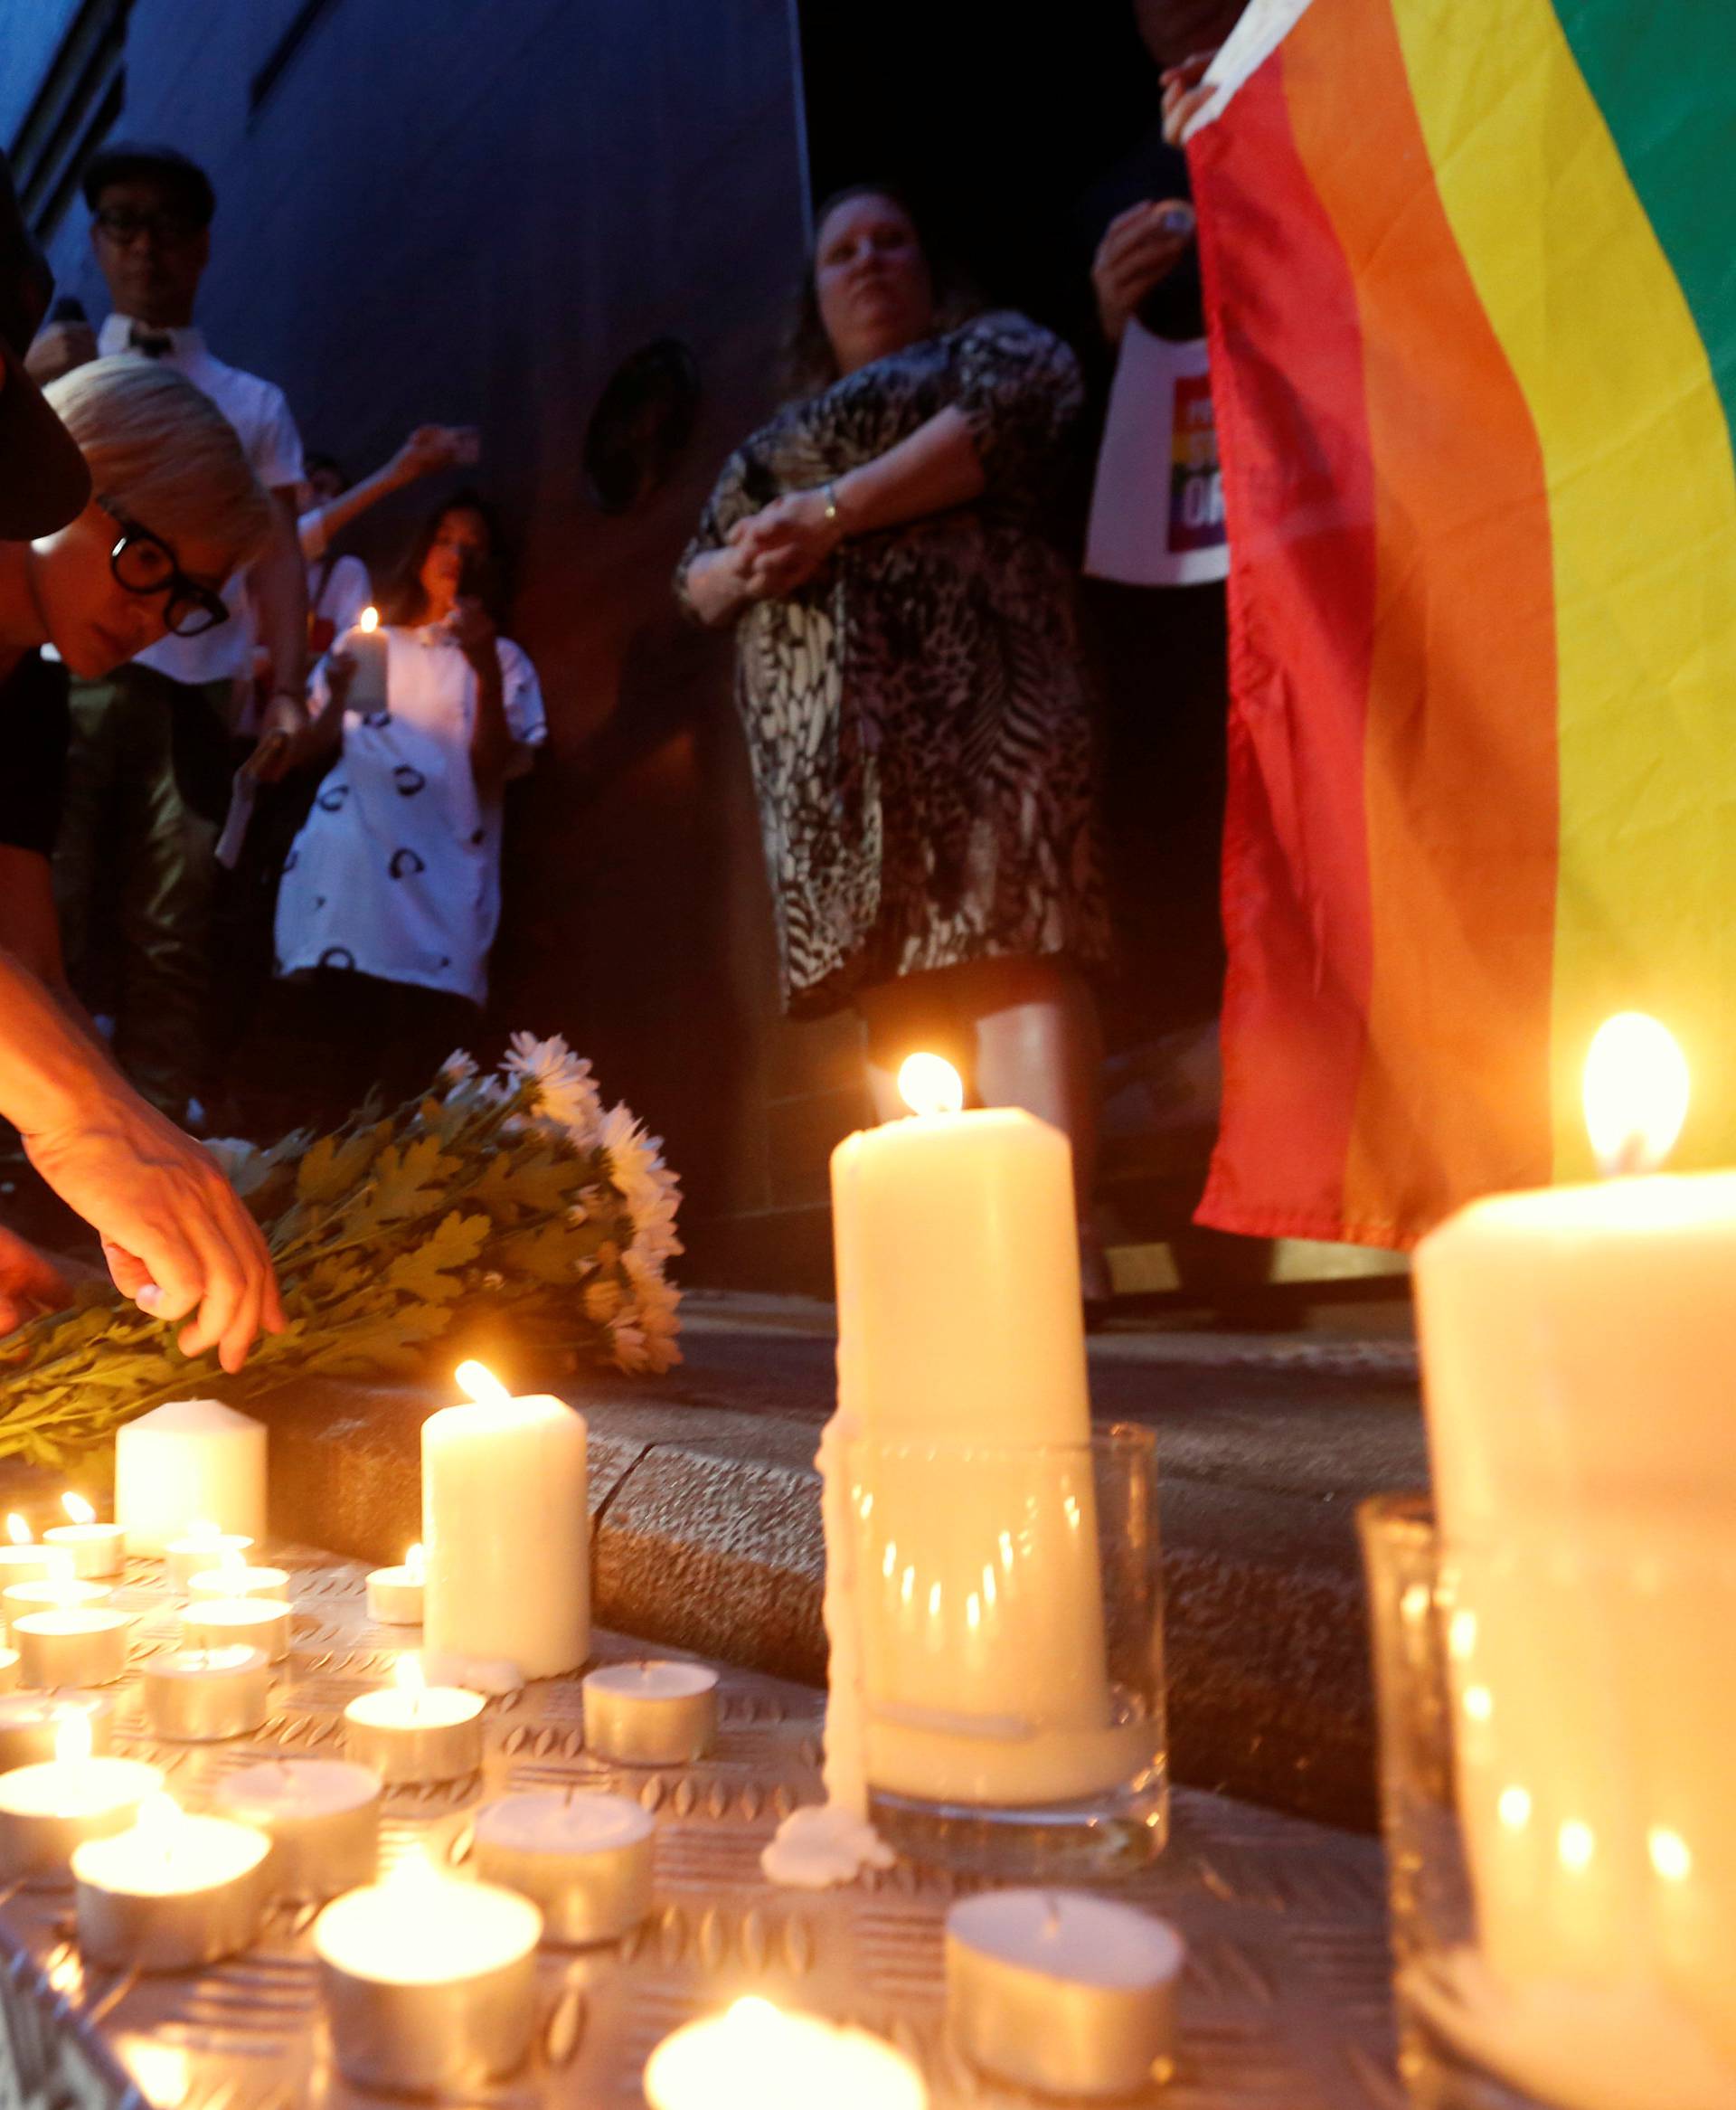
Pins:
x: 231, y: 1560
x: 72, y: 1738
x: 159, y: 1816
x: 78, y: 1509
x: 60, y: 1573
x: 415, y: 1562
x: 201, y: 1531
x: 406, y: 1673
x: 928, y: 1084
x: 17, y: 1530
x: 1635, y: 1093
x: 482, y: 1385
x: 412, y: 1866
x: 369, y: 619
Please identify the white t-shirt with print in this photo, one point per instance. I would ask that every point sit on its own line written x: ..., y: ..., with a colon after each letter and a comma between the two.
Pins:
x: 396, y: 872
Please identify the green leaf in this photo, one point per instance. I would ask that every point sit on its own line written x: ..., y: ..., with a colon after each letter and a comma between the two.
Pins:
x: 423, y: 1270
x: 333, y: 1165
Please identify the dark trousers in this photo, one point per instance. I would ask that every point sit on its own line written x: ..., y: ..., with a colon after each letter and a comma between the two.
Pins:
x: 133, y: 870
x: 324, y: 1038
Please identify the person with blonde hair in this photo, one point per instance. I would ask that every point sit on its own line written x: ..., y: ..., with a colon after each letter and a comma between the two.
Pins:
x: 173, y: 510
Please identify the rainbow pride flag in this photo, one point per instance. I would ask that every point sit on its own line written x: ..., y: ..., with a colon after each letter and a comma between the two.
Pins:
x: 1470, y: 267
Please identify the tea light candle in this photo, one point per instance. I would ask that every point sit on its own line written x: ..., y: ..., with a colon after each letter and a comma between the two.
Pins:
x: 756, y: 2053
x: 1063, y: 1992
x: 188, y: 1458
x: 323, y: 1817
x: 651, y: 1714
x: 30, y: 1724
x: 410, y: 1731
x: 46, y: 1810
x: 584, y: 1859
x: 204, y: 1547
x: 170, y: 1893
x: 219, y: 1623
x: 395, y: 1595
x: 21, y: 1560
x: 428, y: 1984
x: 96, y: 1549
x: 200, y: 1695
x: 57, y: 1594
x: 71, y: 1648
x: 234, y: 1578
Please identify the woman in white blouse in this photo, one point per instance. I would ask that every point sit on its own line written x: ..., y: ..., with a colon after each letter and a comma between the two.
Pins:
x: 391, y: 895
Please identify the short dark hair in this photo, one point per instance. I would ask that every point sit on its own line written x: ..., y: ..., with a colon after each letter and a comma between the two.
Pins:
x: 406, y: 601
x: 808, y: 365
x: 125, y: 160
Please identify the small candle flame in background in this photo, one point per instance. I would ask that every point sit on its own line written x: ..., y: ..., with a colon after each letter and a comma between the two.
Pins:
x: 72, y: 1737
x: 480, y: 1383
x: 928, y: 1084
x: 62, y: 1575
x: 158, y: 1821
x: 17, y: 1530
x: 408, y: 1676
x: 415, y: 1562
x: 412, y: 1866
x: 77, y: 1509
x: 231, y: 1560
x: 1635, y: 1093
x: 201, y: 1531
x: 369, y: 619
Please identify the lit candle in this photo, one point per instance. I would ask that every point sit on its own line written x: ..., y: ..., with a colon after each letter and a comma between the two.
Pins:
x: 323, y: 1817
x: 1063, y: 1992
x: 188, y: 1458
x: 411, y: 1731
x: 369, y: 619
x: 395, y: 1595
x: 221, y: 1623
x: 60, y: 1590
x: 503, y: 1516
x: 30, y: 1724
x: 49, y: 1808
x: 171, y: 1893
x: 756, y: 2057
x: 429, y: 1984
x: 21, y: 1560
x: 1577, y: 1344
x: 202, y: 1546
x: 96, y: 1549
x: 230, y: 1576
x: 584, y: 1861
x: 202, y: 1696
x: 651, y: 1714
x: 81, y: 1646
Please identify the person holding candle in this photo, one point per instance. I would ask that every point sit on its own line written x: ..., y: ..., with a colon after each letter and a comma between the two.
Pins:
x: 909, y: 678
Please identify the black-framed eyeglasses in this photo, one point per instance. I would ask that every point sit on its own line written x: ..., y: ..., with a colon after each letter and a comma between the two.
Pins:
x: 168, y: 228
x: 143, y: 562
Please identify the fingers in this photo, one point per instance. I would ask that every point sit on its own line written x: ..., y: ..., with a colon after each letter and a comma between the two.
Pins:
x: 1189, y: 69
x: 127, y: 1270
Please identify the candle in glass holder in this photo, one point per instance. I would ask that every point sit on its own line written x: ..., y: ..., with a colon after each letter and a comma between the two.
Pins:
x: 203, y: 1695
x: 1066, y: 1993
x: 96, y: 1549
x: 323, y: 1816
x: 411, y: 1731
x: 30, y: 1724
x: 188, y: 1458
x: 583, y: 1858
x: 21, y: 1560
x: 651, y: 1714
x: 219, y: 1623
x: 754, y: 2053
x: 49, y: 1808
x: 170, y: 1893
x: 428, y: 1984
x: 395, y: 1595
x: 201, y: 1546
x: 79, y: 1647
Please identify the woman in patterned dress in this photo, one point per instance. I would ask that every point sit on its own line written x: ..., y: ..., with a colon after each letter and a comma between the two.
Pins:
x: 912, y: 683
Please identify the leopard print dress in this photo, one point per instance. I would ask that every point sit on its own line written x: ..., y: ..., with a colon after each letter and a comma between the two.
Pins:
x: 918, y: 714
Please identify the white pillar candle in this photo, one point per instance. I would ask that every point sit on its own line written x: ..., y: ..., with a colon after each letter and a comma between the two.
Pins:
x: 428, y: 1984
x: 203, y: 1695
x: 757, y: 2056
x: 220, y: 1623
x: 236, y: 1579
x: 1063, y: 1992
x: 410, y: 1731
x: 31, y: 1725
x: 1576, y: 1344
x: 71, y: 1648
x: 651, y: 1714
x: 505, y: 1522
x: 395, y: 1595
x: 96, y: 1549
x: 202, y: 1546
x: 171, y: 1893
x: 583, y: 1860
x: 322, y: 1815
x: 190, y: 1457
x: 49, y: 1808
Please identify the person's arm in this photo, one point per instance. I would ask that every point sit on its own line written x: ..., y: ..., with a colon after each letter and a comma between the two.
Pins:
x: 175, y: 1235
x: 717, y: 588
x: 427, y: 449
x: 279, y: 579
x: 491, y: 745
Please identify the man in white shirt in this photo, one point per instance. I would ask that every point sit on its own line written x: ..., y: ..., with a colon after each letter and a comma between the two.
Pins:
x: 151, y: 750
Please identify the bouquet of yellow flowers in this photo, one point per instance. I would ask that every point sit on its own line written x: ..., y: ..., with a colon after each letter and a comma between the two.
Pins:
x: 515, y: 1192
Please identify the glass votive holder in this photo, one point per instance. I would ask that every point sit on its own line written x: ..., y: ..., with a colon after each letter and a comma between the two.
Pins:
x: 1556, y: 1714
x: 1008, y: 1621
